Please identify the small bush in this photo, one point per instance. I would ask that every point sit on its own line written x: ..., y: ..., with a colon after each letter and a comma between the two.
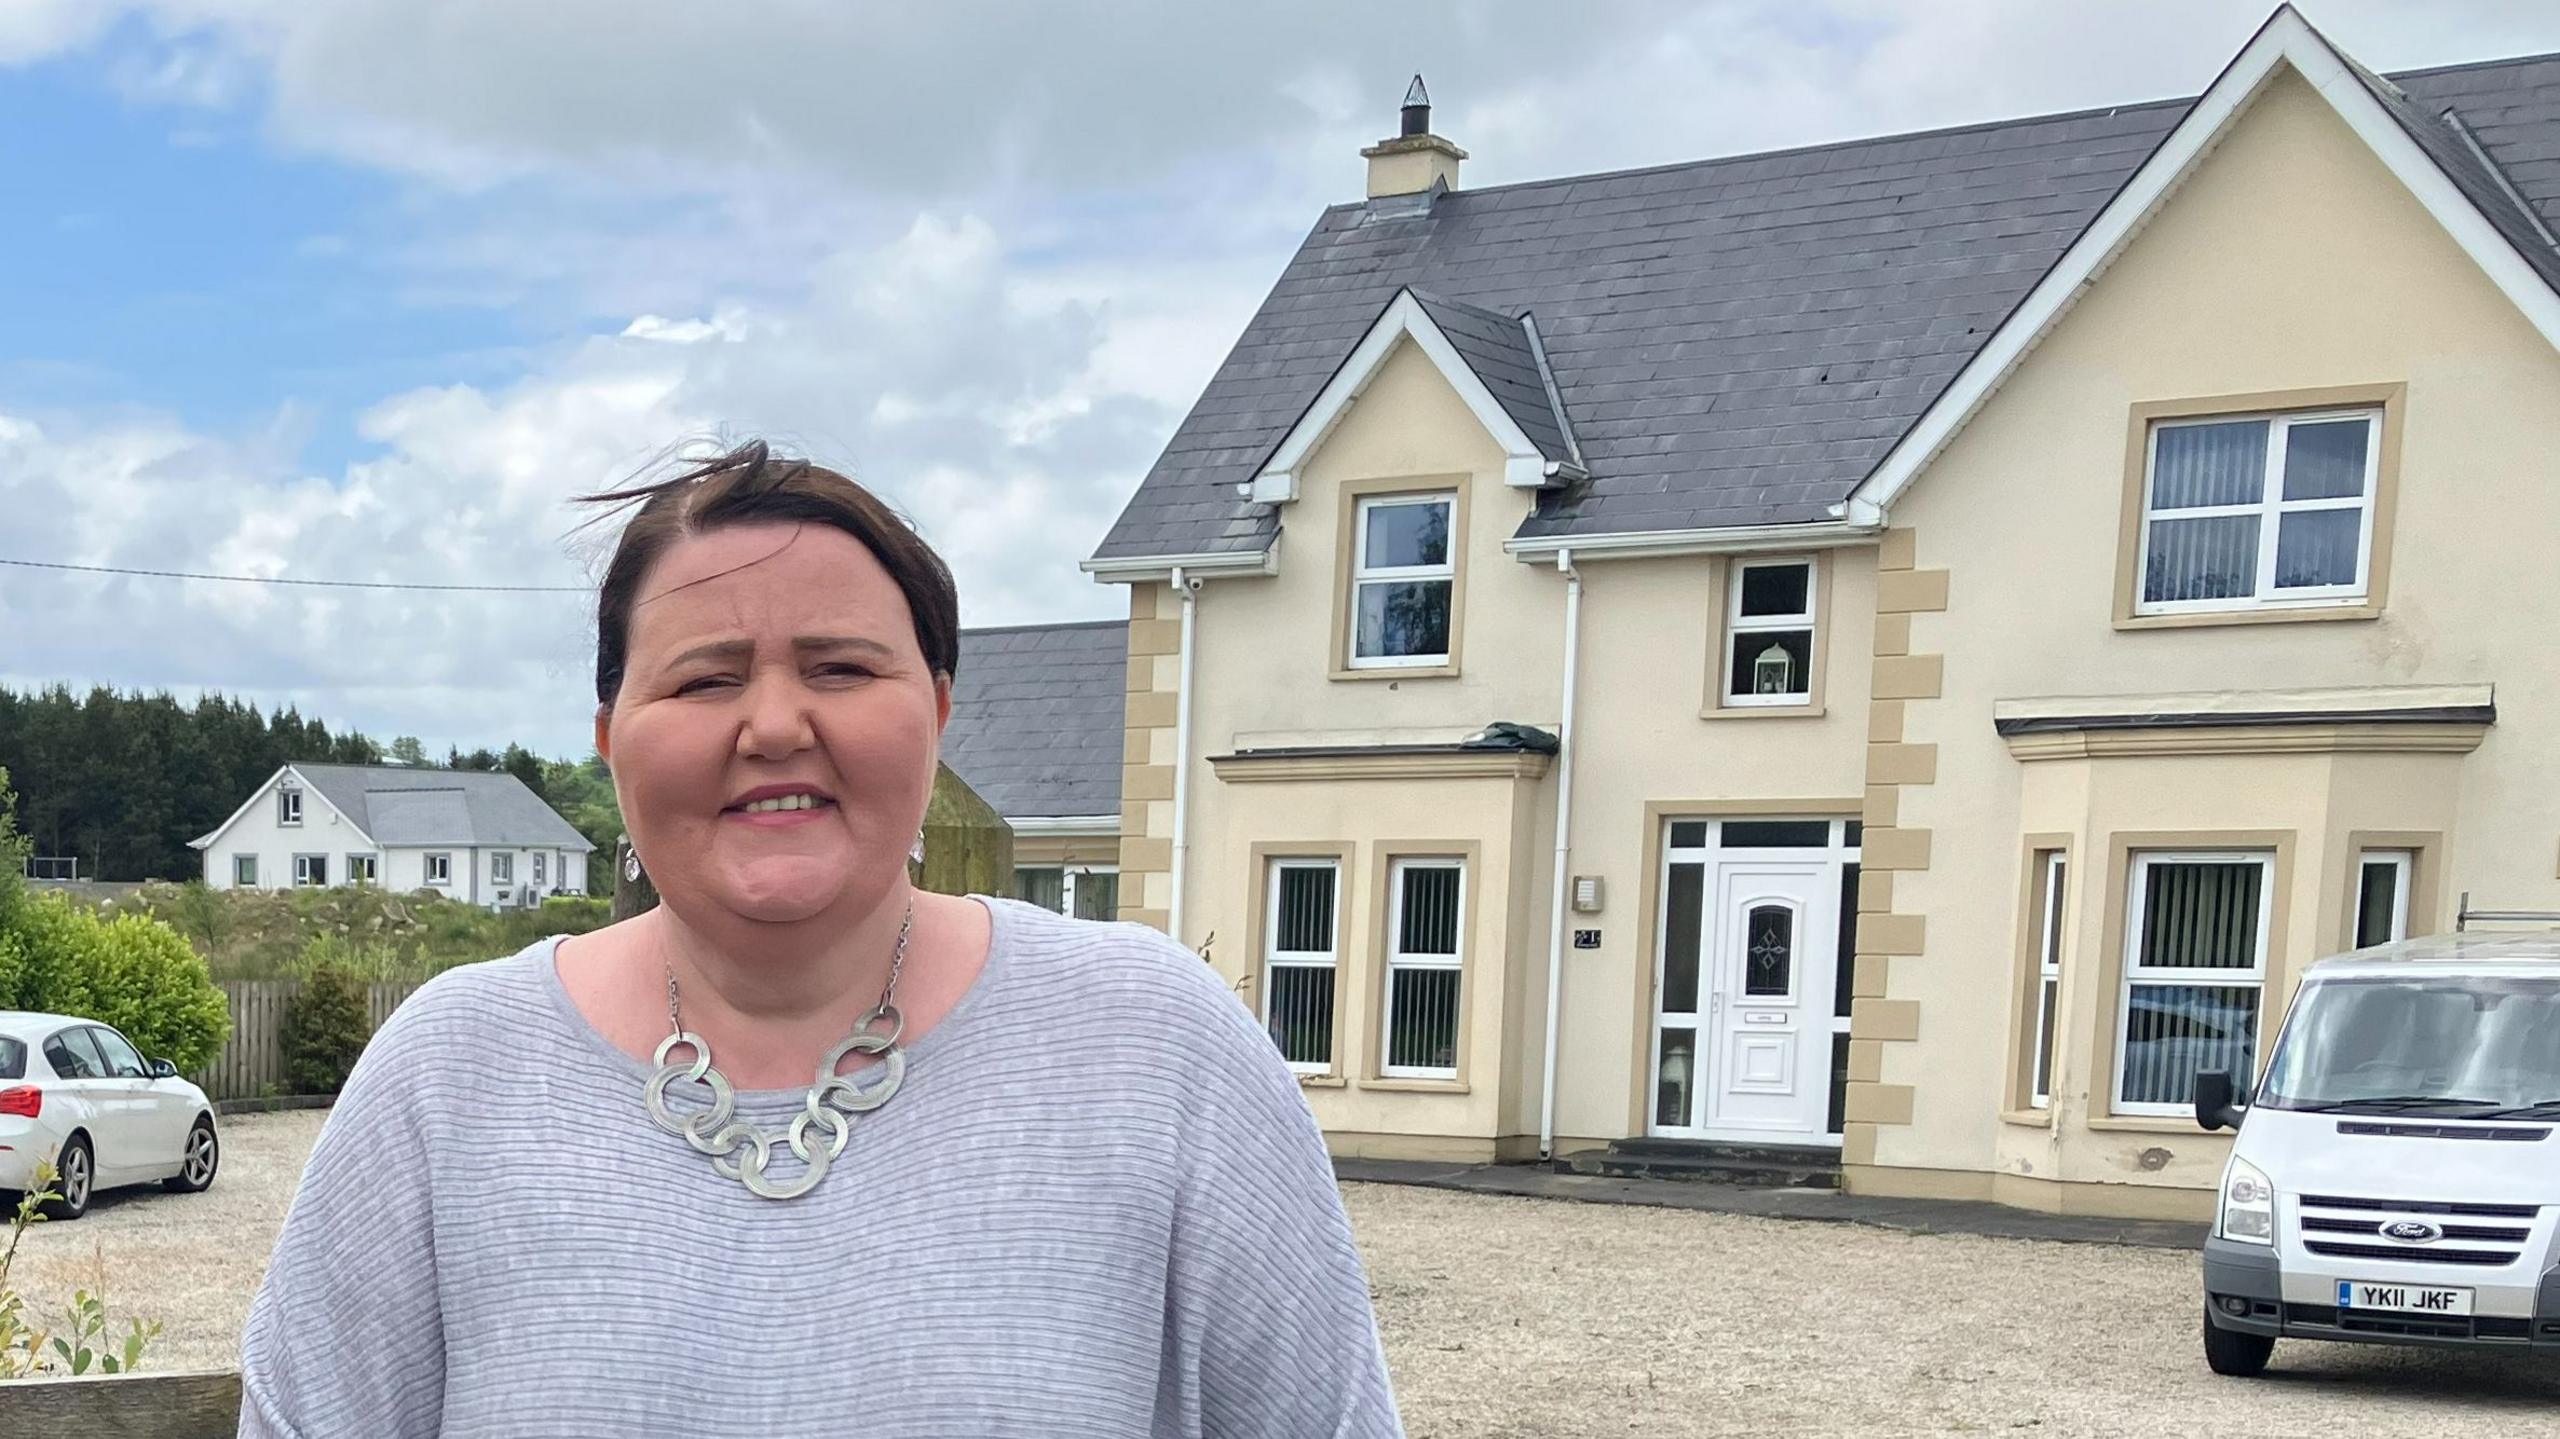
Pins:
x: 325, y: 1028
x: 144, y: 980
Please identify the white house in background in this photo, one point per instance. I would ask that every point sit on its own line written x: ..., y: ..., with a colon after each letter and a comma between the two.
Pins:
x: 481, y: 837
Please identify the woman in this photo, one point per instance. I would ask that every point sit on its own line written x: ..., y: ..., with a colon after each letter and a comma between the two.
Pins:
x: 804, y: 1150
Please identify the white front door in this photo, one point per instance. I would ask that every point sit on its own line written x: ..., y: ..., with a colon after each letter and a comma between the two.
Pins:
x: 1747, y: 1034
x: 1769, y: 997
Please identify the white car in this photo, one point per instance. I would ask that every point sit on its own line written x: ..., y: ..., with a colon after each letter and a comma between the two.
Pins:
x: 79, y: 1093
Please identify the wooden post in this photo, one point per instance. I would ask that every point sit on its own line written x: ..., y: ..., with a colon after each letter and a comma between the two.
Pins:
x: 968, y: 848
x: 630, y: 896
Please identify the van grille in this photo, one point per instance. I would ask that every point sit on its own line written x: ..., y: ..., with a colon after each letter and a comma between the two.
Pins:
x: 2345, y: 1227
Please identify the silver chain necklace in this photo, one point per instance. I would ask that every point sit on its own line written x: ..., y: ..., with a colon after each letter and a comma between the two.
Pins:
x: 833, y: 1098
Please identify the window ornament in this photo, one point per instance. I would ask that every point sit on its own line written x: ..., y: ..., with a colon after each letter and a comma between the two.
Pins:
x: 1774, y: 672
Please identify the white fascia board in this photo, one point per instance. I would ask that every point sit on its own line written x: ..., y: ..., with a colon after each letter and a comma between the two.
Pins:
x: 1404, y: 319
x: 1158, y: 569
x: 1073, y: 826
x: 265, y: 785
x: 2285, y: 40
x: 1734, y: 539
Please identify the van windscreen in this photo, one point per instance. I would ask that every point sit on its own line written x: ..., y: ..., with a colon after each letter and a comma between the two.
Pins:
x: 2457, y: 1047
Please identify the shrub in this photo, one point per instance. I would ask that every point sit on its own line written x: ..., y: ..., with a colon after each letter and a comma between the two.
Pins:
x: 325, y: 1028
x: 131, y: 971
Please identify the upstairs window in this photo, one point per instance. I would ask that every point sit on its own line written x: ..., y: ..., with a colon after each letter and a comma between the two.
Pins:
x: 288, y: 806
x: 2258, y: 512
x: 1403, y: 576
x: 1769, y: 633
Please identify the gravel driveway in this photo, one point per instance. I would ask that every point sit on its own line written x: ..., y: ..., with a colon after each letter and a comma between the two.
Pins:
x: 1528, y: 1317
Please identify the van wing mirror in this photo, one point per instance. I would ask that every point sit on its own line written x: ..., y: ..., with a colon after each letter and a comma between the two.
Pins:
x: 163, y: 1069
x: 2216, y: 1106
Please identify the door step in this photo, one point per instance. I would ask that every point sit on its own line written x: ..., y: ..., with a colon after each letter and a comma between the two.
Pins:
x: 1768, y: 1166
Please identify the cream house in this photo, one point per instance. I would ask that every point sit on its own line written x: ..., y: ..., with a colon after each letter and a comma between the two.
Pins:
x: 1885, y: 658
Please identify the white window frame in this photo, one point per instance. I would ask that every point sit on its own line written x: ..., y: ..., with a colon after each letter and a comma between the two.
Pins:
x: 1364, y: 575
x: 289, y: 807
x: 2044, y: 1041
x: 302, y: 868
x: 1397, y: 959
x: 2401, y: 863
x: 2137, y: 976
x: 502, y: 867
x: 541, y: 869
x: 250, y: 881
x: 1736, y: 628
x: 2271, y: 508
x: 1274, y: 957
x: 439, y: 868
x: 372, y: 868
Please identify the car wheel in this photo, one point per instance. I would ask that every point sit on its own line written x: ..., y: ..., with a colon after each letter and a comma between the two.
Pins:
x: 76, y: 1171
x: 2233, y: 1352
x: 204, y: 1156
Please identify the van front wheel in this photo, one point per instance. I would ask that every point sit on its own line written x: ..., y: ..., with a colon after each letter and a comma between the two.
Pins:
x: 2229, y: 1351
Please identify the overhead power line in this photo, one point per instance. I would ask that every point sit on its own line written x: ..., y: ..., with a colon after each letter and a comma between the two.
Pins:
x: 314, y: 584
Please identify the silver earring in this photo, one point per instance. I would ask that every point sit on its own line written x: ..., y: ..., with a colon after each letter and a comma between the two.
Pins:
x: 631, y: 866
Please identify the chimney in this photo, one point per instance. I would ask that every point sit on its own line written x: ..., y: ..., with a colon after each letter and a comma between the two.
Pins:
x: 1415, y: 161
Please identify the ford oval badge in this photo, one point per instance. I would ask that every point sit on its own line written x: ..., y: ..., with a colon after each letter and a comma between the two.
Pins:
x: 2412, y: 1231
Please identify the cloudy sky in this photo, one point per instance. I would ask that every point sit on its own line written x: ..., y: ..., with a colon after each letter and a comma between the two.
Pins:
x: 361, y: 290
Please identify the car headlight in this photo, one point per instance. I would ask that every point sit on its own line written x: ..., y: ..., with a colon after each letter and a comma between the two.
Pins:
x: 2248, y: 1204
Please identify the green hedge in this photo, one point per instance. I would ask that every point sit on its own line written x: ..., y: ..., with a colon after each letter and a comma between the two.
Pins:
x: 325, y: 1029
x: 131, y: 971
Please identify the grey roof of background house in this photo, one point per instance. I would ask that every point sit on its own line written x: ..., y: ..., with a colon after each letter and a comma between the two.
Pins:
x: 1035, y: 717
x: 1740, y: 341
x: 404, y: 805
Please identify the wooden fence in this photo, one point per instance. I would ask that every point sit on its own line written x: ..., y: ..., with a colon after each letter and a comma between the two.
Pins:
x: 252, y: 1063
x: 193, y: 1405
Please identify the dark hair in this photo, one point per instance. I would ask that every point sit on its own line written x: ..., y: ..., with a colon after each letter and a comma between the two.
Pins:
x: 752, y: 485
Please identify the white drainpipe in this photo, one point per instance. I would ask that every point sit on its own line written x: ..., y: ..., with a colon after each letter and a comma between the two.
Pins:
x: 1188, y: 589
x: 1564, y: 847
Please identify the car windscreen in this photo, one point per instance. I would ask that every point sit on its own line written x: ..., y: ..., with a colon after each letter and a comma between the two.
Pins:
x: 13, y: 1058
x: 2450, y: 1046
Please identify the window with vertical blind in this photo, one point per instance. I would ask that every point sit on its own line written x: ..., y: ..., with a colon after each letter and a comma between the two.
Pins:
x: 1301, y: 960
x: 2195, y: 970
x: 2048, y: 914
x: 1425, y: 926
x: 2247, y: 512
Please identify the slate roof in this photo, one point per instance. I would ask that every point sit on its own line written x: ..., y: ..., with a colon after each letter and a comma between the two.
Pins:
x: 405, y: 805
x: 1498, y: 348
x: 1739, y: 341
x: 1035, y: 717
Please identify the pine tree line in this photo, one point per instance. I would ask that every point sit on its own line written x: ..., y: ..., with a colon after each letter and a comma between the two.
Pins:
x: 121, y: 781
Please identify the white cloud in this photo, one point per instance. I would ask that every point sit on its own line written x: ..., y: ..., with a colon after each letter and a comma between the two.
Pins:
x: 981, y: 254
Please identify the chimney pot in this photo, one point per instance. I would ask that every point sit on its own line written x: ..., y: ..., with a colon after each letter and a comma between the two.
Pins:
x: 1415, y: 161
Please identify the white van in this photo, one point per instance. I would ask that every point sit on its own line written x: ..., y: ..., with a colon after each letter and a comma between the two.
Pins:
x: 2396, y: 1178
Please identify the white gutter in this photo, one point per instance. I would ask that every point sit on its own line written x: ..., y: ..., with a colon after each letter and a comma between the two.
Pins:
x: 1820, y: 534
x: 1564, y: 847
x: 1165, y: 569
x: 1187, y: 585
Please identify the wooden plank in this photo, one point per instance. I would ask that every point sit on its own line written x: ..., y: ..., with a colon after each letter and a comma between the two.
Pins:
x: 200, y: 1405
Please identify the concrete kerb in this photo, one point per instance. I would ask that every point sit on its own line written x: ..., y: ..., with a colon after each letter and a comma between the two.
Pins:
x: 1912, y: 1216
